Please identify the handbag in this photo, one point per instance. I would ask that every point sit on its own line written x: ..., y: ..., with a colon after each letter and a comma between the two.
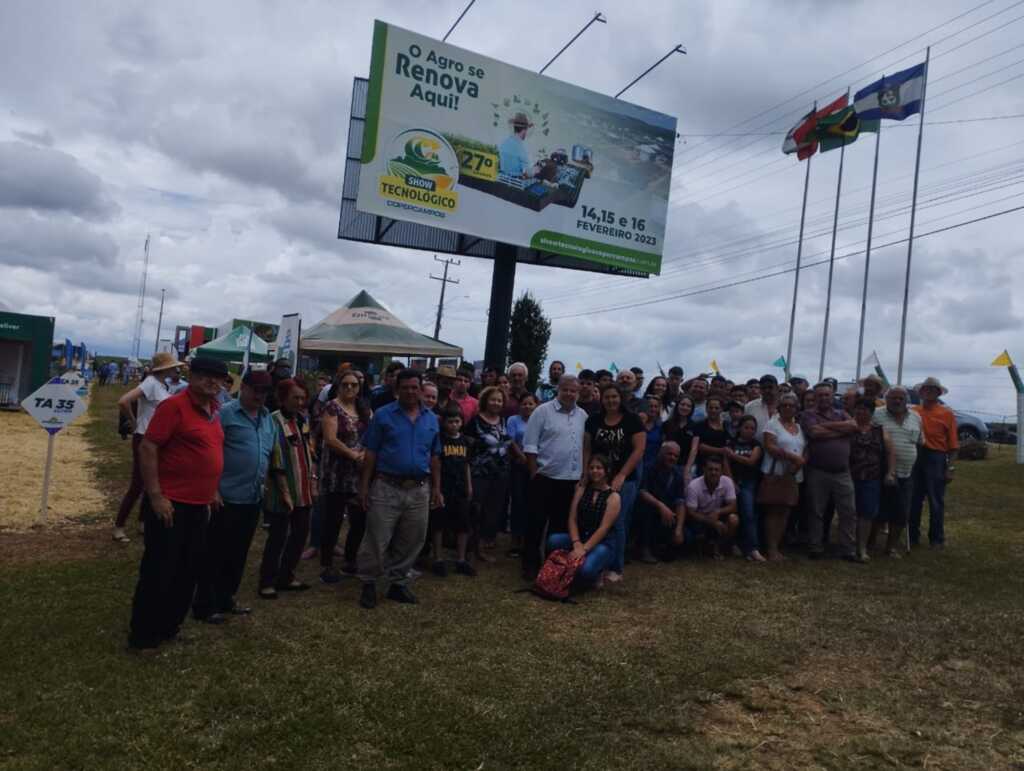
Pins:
x: 778, y: 489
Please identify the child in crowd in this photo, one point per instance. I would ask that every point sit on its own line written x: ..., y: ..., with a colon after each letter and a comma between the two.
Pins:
x: 457, y: 489
x: 744, y: 455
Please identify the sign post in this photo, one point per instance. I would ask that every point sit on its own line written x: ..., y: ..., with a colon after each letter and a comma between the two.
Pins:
x: 54, y: 405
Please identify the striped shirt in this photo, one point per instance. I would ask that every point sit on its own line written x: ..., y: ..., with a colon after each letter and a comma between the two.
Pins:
x: 290, y: 461
x: 906, y: 437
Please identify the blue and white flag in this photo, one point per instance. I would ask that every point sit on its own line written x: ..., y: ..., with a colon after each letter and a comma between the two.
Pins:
x: 895, y: 96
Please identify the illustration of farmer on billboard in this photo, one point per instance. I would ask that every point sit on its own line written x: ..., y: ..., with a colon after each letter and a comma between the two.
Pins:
x: 554, y: 178
x: 514, y: 158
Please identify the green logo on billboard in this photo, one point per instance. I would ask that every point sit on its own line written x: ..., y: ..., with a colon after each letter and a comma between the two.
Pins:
x: 422, y: 173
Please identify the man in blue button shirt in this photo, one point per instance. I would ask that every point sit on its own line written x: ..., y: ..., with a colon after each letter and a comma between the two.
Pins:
x: 249, y: 434
x: 401, y: 480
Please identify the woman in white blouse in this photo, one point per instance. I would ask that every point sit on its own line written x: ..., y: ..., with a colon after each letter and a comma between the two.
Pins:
x: 785, y: 453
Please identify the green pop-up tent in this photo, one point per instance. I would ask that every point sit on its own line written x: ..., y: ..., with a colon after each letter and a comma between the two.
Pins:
x: 231, y: 347
x: 365, y: 327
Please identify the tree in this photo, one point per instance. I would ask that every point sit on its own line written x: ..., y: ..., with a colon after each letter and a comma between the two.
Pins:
x: 529, y: 335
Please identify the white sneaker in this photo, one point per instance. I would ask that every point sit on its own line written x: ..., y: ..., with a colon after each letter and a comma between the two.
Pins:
x: 120, y: 536
x: 612, y: 577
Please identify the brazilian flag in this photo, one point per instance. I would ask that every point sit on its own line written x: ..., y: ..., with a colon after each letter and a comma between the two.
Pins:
x: 842, y: 128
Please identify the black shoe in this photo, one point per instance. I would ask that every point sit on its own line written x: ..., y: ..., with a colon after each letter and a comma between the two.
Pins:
x: 329, y: 576
x: 368, y: 596
x: 240, y: 610
x: 214, y: 618
x: 463, y: 568
x: 441, y: 569
x: 400, y: 593
x: 815, y: 555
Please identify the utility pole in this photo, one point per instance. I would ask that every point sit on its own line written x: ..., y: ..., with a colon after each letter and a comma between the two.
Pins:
x: 444, y: 283
x: 159, y: 322
x: 137, y: 332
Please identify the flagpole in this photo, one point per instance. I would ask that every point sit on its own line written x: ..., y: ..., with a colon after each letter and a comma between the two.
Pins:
x: 867, y: 253
x: 799, y: 254
x: 832, y: 258
x: 913, y: 214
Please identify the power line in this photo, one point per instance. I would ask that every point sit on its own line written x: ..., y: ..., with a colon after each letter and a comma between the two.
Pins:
x: 789, y: 270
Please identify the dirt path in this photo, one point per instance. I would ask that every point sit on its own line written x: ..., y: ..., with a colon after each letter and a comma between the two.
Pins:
x: 74, y: 491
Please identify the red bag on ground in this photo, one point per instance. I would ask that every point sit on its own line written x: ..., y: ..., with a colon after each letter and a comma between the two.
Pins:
x: 556, y: 575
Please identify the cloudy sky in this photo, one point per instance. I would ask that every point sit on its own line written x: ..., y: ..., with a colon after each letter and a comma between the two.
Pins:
x: 220, y: 129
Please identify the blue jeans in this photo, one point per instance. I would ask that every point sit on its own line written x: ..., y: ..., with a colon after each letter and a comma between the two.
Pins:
x: 595, y: 563
x: 627, y: 494
x: 930, y: 483
x: 746, y: 502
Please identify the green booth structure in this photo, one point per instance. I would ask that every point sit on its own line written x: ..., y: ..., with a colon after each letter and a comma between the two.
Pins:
x: 25, y: 344
x: 231, y: 347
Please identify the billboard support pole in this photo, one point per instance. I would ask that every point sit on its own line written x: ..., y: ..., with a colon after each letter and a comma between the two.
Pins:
x: 503, y: 281
x: 597, y: 17
x: 677, y: 50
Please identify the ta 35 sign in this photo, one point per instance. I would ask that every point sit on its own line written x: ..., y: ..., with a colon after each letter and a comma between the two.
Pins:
x: 54, y: 405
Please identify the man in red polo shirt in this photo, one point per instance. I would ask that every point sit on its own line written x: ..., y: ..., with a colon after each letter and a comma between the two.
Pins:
x: 181, y: 459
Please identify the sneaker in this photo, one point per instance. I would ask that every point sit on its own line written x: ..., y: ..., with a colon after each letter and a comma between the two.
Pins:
x: 440, y: 569
x: 648, y: 557
x: 414, y: 573
x: 401, y: 594
x: 463, y: 568
x: 893, y: 554
x: 368, y: 596
x: 120, y: 536
x: 612, y: 577
x: 330, y: 576
x: 756, y: 556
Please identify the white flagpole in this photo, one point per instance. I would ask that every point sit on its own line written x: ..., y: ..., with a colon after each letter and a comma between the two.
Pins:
x: 832, y: 258
x: 799, y: 254
x: 913, y: 214
x: 867, y: 253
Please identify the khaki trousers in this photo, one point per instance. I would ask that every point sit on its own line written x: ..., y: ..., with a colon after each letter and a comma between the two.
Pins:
x: 396, y: 529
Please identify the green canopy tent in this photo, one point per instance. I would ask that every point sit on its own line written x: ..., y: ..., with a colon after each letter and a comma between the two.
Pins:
x: 363, y: 327
x: 231, y: 347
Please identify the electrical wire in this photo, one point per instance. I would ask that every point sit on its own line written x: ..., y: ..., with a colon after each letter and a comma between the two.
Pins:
x: 730, y: 285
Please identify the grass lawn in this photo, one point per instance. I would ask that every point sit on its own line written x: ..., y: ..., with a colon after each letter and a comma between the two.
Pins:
x: 908, y: 663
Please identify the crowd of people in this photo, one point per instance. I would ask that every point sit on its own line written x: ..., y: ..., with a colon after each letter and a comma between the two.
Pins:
x: 598, y: 465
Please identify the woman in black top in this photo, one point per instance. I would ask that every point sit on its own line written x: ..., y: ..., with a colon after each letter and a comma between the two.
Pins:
x: 683, y: 431
x: 619, y: 436
x: 714, y: 436
x: 592, y: 517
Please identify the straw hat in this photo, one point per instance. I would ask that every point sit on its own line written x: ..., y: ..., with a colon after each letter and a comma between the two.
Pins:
x: 931, y: 382
x: 164, y: 360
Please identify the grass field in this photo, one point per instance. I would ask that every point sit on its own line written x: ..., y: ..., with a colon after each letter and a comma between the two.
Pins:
x: 908, y: 663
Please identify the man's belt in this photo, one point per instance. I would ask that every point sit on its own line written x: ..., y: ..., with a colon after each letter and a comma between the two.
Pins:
x: 406, y: 483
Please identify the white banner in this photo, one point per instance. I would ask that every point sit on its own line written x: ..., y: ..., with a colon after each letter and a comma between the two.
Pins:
x: 288, y: 339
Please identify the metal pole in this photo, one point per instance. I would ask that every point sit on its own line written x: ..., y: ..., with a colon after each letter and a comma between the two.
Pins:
x: 867, y: 253
x: 597, y: 17
x: 913, y: 214
x: 503, y: 280
x: 831, y: 262
x: 799, y: 254
x: 46, y: 477
x: 452, y: 28
x: 159, y: 321
x: 1020, y: 428
x: 677, y: 50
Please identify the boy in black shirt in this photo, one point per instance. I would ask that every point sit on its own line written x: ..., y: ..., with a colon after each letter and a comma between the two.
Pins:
x: 457, y: 489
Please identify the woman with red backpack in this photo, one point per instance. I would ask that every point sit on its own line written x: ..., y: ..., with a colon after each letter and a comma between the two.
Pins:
x: 591, y: 538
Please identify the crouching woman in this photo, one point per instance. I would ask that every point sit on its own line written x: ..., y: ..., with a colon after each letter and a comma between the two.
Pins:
x: 595, y: 508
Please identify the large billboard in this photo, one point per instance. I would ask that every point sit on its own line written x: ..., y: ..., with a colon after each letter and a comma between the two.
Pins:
x: 469, y: 144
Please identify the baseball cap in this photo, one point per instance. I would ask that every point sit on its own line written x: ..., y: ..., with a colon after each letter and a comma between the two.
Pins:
x: 446, y: 370
x: 258, y: 378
